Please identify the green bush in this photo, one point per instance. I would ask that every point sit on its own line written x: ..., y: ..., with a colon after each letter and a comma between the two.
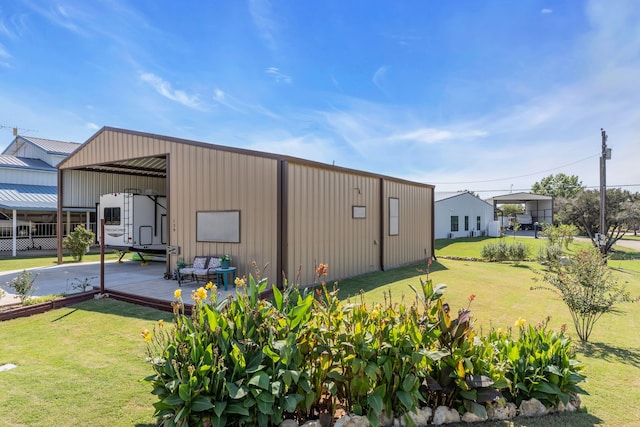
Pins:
x: 501, y: 251
x: 78, y: 241
x: 518, y: 252
x: 541, y: 364
x: 550, y: 255
x: 251, y: 361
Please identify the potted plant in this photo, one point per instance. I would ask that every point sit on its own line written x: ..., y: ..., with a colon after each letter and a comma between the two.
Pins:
x: 225, y: 261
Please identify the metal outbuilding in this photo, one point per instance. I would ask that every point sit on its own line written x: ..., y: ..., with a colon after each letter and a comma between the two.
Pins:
x: 540, y: 207
x: 291, y: 214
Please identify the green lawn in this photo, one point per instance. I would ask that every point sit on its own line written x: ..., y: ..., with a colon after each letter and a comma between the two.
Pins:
x: 82, y: 365
x: 77, y: 366
x: 503, y: 294
x: 9, y: 263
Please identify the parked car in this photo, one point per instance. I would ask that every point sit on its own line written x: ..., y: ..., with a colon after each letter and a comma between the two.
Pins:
x: 6, y: 226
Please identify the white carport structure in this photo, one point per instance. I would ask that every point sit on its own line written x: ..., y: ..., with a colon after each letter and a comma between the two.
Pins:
x: 538, y: 206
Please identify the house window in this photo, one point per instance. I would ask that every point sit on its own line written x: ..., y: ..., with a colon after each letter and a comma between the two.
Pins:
x: 111, y: 216
x: 466, y: 223
x: 394, y: 218
x: 477, y: 223
x: 454, y: 223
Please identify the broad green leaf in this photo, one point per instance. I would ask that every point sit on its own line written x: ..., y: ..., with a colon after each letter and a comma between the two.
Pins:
x: 173, y: 400
x: 236, y: 408
x: 405, y: 399
x: 261, y: 379
x: 219, y: 407
x: 201, y: 403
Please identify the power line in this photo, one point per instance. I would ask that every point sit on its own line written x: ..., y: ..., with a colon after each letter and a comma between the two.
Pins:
x: 529, y: 189
x: 515, y: 177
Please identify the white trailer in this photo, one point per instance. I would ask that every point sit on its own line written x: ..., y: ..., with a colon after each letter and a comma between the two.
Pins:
x: 134, y: 222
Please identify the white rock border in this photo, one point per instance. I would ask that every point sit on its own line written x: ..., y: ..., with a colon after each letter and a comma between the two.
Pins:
x: 444, y: 415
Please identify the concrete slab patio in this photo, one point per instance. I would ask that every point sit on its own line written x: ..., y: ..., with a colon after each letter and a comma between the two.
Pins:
x: 130, y: 277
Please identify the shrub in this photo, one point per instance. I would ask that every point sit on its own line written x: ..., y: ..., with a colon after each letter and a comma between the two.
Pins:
x: 518, y: 252
x: 541, y: 364
x: 78, y: 241
x: 587, y: 287
x: 502, y: 251
x: 23, y: 285
x: 550, y: 255
x: 495, y: 251
x: 249, y: 361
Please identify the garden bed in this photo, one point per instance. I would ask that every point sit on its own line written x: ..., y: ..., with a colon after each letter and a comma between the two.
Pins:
x: 14, y: 312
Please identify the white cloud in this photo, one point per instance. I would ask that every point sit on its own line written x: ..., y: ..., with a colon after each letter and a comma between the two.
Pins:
x: 378, y: 77
x: 92, y: 126
x: 165, y: 89
x: 3, y: 52
x: 262, y: 15
x: 546, y: 11
x: 433, y: 136
x: 277, y: 75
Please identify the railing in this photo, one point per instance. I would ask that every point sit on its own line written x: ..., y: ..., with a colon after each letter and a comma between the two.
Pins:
x: 38, y: 236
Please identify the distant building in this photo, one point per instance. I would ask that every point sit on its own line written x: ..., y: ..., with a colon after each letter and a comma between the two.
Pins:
x: 29, y: 192
x: 461, y: 214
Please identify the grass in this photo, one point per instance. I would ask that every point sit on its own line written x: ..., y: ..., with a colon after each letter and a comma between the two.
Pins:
x: 471, y: 247
x: 82, y: 365
x: 8, y: 263
x: 503, y: 294
x: 77, y: 366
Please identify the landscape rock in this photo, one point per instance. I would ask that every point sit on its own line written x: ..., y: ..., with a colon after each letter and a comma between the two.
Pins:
x: 444, y: 415
x: 352, y: 421
x: 312, y: 423
x: 532, y: 408
x: 471, y: 417
x: 502, y: 412
x: 289, y: 423
x: 566, y: 408
x: 420, y: 418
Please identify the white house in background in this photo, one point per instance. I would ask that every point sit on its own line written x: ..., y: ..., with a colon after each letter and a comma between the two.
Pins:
x: 461, y: 214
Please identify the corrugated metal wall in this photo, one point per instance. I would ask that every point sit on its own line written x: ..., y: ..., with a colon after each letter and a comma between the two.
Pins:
x: 317, y: 212
x: 321, y: 228
x: 202, y: 179
x: 413, y: 242
x: 83, y: 189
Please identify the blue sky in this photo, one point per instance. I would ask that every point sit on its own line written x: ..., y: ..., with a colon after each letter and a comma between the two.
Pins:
x: 482, y: 95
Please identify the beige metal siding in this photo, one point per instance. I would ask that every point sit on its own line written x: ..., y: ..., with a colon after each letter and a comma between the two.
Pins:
x: 201, y: 179
x: 321, y: 228
x: 83, y: 189
x: 414, y: 241
x: 210, y: 180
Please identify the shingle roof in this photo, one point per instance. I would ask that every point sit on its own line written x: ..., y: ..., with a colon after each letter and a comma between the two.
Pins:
x: 51, y: 146
x: 7, y: 161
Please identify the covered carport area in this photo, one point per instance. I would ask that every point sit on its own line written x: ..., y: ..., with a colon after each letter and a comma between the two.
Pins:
x: 81, y: 187
x: 538, y: 206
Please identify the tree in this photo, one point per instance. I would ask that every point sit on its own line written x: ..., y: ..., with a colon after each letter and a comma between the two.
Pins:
x: 511, y: 209
x: 583, y: 211
x: 559, y: 185
x: 588, y: 288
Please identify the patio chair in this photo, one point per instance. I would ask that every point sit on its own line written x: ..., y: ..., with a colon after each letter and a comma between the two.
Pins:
x: 202, y: 267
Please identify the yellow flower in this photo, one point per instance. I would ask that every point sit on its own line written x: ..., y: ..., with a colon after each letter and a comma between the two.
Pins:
x: 520, y: 322
x: 209, y: 285
x: 239, y: 282
x: 144, y: 332
x: 201, y: 294
x: 161, y: 323
x: 148, y: 337
x: 177, y: 294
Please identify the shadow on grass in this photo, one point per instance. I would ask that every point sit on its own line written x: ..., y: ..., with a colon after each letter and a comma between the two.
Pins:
x: 611, y: 353
x: 119, y: 308
x: 367, y: 282
x: 443, y: 243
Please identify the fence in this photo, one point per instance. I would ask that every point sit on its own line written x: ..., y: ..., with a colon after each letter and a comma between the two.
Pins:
x: 42, y: 236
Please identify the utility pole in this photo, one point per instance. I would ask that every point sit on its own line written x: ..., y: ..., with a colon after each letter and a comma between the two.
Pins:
x: 606, y: 155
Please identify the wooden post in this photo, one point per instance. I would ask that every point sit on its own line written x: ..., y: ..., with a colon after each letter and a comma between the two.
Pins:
x: 102, y: 256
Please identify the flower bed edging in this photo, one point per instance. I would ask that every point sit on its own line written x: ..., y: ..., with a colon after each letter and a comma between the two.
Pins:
x: 43, y: 307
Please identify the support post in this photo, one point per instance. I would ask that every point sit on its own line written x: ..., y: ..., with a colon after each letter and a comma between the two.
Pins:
x: 603, y: 193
